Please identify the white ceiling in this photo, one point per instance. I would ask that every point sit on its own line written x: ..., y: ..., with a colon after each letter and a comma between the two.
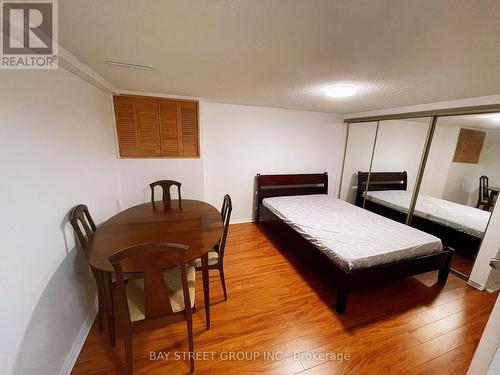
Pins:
x: 484, y: 121
x: 283, y: 53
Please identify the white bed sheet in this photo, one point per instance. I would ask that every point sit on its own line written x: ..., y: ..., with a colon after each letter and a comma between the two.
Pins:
x: 350, y: 236
x: 466, y: 219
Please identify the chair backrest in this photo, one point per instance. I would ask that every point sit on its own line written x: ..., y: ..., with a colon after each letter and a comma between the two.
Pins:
x: 82, y: 224
x: 165, y: 185
x: 483, y: 188
x: 227, y: 207
x: 151, y: 259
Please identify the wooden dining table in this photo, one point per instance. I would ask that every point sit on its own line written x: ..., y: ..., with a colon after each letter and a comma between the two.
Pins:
x: 190, y: 222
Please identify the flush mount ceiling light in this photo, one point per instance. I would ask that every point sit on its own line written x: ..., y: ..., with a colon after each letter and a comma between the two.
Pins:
x: 128, y: 66
x: 341, y: 91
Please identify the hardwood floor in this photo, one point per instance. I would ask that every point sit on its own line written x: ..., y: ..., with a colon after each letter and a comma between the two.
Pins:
x: 280, y: 303
x: 462, y: 264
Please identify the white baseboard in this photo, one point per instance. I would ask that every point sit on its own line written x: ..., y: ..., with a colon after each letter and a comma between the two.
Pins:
x: 79, y: 341
x: 475, y: 285
x: 242, y: 221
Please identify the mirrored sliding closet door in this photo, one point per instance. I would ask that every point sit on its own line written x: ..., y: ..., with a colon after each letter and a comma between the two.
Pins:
x: 460, y: 184
x: 390, y: 183
x: 438, y: 172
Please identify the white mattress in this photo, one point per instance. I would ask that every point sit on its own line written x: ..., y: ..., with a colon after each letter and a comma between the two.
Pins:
x: 463, y: 218
x: 350, y: 236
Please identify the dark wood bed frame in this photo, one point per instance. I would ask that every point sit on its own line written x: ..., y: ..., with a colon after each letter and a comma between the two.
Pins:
x: 465, y: 244
x: 303, y: 184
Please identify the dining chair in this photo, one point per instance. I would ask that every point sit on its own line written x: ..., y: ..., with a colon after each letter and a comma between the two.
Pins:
x: 216, y: 255
x: 84, y: 227
x: 165, y: 185
x: 165, y: 294
x: 484, y: 194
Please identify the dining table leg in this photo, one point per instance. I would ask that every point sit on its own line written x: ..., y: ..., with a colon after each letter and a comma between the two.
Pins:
x: 100, y: 297
x: 109, y: 306
x: 206, y: 291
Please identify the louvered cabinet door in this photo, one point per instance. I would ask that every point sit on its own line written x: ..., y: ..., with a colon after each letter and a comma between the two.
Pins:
x: 169, y: 128
x: 156, y: 127
x: 469, y: 145
x: 146, y: 110
x: 188, y: 114
x: 126, y: 128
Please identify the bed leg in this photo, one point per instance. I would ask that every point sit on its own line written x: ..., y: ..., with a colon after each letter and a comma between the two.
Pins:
x: 342, y: 293
x: 443, y: 275
x: 445, y: 270
x: 341, y: 301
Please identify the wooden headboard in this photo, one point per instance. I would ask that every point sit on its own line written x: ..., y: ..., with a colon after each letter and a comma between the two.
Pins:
x: 279, y: 185
x: 380, y: 181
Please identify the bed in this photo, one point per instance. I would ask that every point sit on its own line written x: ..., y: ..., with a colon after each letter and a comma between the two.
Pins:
x: 361, y: 246
x: 458, y: 226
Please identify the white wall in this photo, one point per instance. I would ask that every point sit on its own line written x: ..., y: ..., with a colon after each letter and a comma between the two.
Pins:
x: 400, y: 145
x: 460, y: 182
x: 57, y: 151
x: 240, y: 141
x: 495, y: 363
x: 439, y: 160
x: 137, y: 174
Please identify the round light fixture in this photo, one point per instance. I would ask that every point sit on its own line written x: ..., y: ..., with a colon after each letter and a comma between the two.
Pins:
x: 340, y: 91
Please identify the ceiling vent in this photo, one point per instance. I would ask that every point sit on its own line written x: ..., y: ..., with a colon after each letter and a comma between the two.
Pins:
x: 128, y: 66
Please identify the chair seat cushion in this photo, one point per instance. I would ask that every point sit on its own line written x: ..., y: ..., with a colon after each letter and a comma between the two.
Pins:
x: 172, y: 277
x: 213, y: 258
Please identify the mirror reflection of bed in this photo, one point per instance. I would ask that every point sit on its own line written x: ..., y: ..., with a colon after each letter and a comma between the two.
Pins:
x: 459, y: 187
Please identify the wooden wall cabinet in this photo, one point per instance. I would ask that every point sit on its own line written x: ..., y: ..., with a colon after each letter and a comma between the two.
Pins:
x: 469, y: 146
x: 156, y: 127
